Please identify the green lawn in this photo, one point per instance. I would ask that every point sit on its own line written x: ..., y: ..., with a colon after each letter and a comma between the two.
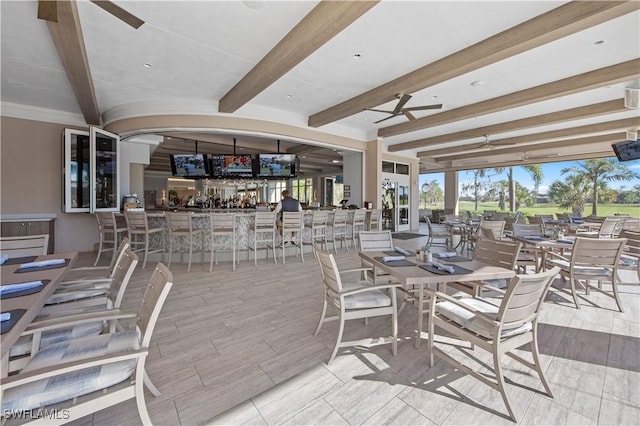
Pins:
x: 603, y: 209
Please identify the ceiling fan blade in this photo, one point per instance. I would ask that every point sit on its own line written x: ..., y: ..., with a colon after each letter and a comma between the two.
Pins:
x: 502, y: 143
x: 380, y: 110
x: 385, y: 119
x: 403, y: 100
x: 48, y: 10
x: 422, y: 108
x: 119, y: 13
x: 410, y: 116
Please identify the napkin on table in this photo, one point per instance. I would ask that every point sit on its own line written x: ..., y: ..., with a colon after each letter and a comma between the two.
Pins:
x: 14, y: 288
x: 3, y: 259
x: 401, y: 250
x: 41, y: 263
x: 392, y: 258
x: 447, y: 254
x: 6, y: 316
x: 448, y: 268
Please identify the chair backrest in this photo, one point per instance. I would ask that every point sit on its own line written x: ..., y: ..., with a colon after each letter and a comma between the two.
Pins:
x: 330, y: 274
x: 523, y: 299
x: 374, y: 220
x: 154, y: 297
x: 106, y: 221
x: 179, y: 221
x: 124, y: 245
x: 500, y: 216
x: 597, y: 252
x: 222, y: 222
x: 491, y: 229
x: 535, y: 220
x: 340, y: 217
x: 523, y: 230
x: 501, y: 253
x: 292, y: 220
x: 452, y: 218
x: 545, y: 217
x: 31, y: 245
x: 264, y: 221
x: 375, y: 240
x: 608, y: 227
x: 319, y: 218
x: 122, y: 272
x: 359, y: 216
x: 136, y: 221
x: 633, y: 241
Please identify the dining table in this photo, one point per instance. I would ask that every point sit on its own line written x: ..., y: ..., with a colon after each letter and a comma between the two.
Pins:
x: 416, y: 275
x: 19, y: 308
x: 545, y: 244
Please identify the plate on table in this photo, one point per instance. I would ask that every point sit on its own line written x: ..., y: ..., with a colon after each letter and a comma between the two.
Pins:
x: 15, y: 315
x: 43, y: 268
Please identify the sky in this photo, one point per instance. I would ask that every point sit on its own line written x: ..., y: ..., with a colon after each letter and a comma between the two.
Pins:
x: 551, y: 173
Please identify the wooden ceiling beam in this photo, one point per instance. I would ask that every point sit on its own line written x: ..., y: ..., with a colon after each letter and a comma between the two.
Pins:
x: 565, y: 20
x: 609, y: 126
x: 608, y: 138
x: 613, y: 74
x: 67, y: 37
x: 324, y: 22
x: 588, y: 111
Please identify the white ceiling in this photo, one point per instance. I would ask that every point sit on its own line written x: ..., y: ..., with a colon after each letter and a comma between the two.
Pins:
x: 200, y: 49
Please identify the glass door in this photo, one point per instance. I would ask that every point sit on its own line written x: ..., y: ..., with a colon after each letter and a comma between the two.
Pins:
x: 77, y: 180
x: 104, y: 171
x: 402, y: 223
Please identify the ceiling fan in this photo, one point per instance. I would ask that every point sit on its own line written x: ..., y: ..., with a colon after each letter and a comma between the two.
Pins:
x: 48, y: 10
x: 487, y: 143
x: 400, y: 110
x: 527, y: 156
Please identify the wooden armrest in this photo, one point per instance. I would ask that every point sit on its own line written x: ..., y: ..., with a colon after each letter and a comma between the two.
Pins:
x: 457, y: 302
x: 344, y: 271
x: 68, y: 367
x: 71, y: 320
x: 369, y: 288
x: 83, y: 281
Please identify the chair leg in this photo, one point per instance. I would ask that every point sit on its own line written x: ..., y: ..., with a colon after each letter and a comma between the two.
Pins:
x: 139, y: 393
x: 149, y: 384
x: 322, y: 314
x: 146, y: 251
x: 339, y: 339
x: 99, y: 250
x: 500, y: 382
x: 616, y: 296
x: 536, y: 361
x: 572, y: 282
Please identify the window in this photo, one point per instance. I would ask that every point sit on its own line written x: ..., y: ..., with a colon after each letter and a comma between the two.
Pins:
x: 402, y: 169
x: 274, y: 190
x: 388, y: 167
x: 302, y: 190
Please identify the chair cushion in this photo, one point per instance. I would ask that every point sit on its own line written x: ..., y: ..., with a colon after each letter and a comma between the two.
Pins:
x: 61, y: 388
x: 627, y: 260
x: 471, y: 322
x: 368, y: 299
x: 63, y: 297
x: 497, y: 283
x: 23, y: 345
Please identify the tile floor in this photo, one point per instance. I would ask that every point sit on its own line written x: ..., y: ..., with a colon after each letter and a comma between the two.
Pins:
x: 234, y: 348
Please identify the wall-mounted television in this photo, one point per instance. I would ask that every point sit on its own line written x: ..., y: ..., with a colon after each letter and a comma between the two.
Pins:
x: 231, y: 166
x: 277, y: 165
x: 190, y: 165
x: 627, y: 151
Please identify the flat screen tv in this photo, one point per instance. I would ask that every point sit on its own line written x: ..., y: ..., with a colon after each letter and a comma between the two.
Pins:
x: 231, y: 166
x: 627, y: 151
x: 276, y: 165
x: 190, y: 165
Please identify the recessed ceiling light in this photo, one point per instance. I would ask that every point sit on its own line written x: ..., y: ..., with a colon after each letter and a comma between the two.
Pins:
x: 357, y: 56
x: 147, y: 65
x: 477, y: 83
x: 600, y: 42
x: 289, y: 96
x: 434, y: 97
x: 335, y: 161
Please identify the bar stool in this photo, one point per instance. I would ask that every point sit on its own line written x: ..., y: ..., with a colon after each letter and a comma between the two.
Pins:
x: 223, y: 226
x: 339, y: 229
x: 264, y: 231
x: 109, y: 233
x: 140, y: 234
x: 375, y: 218
x: 357, y: 223
x: 318, y: 228
x: 181, y: 228
x: 292, y: 224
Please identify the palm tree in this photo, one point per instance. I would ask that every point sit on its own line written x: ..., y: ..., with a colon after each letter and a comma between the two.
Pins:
x: 535, y: 170
x: 477, y: 175
x: 570, y: 193
x: 598, y: 173
x: 536, y: 173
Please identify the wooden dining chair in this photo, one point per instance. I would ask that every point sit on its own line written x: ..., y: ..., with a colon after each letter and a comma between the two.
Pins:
x: 86, y: 375
x: 182, y: 232
x: 354, y: 300
x: 30, y: 245
x: 498, y: 328
x: 110, y: 234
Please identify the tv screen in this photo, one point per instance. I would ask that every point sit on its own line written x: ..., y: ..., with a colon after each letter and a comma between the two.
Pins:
x: 276, y: 165
x: 231, y: 166
x: 189, y: 165
x: 627, y: 151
